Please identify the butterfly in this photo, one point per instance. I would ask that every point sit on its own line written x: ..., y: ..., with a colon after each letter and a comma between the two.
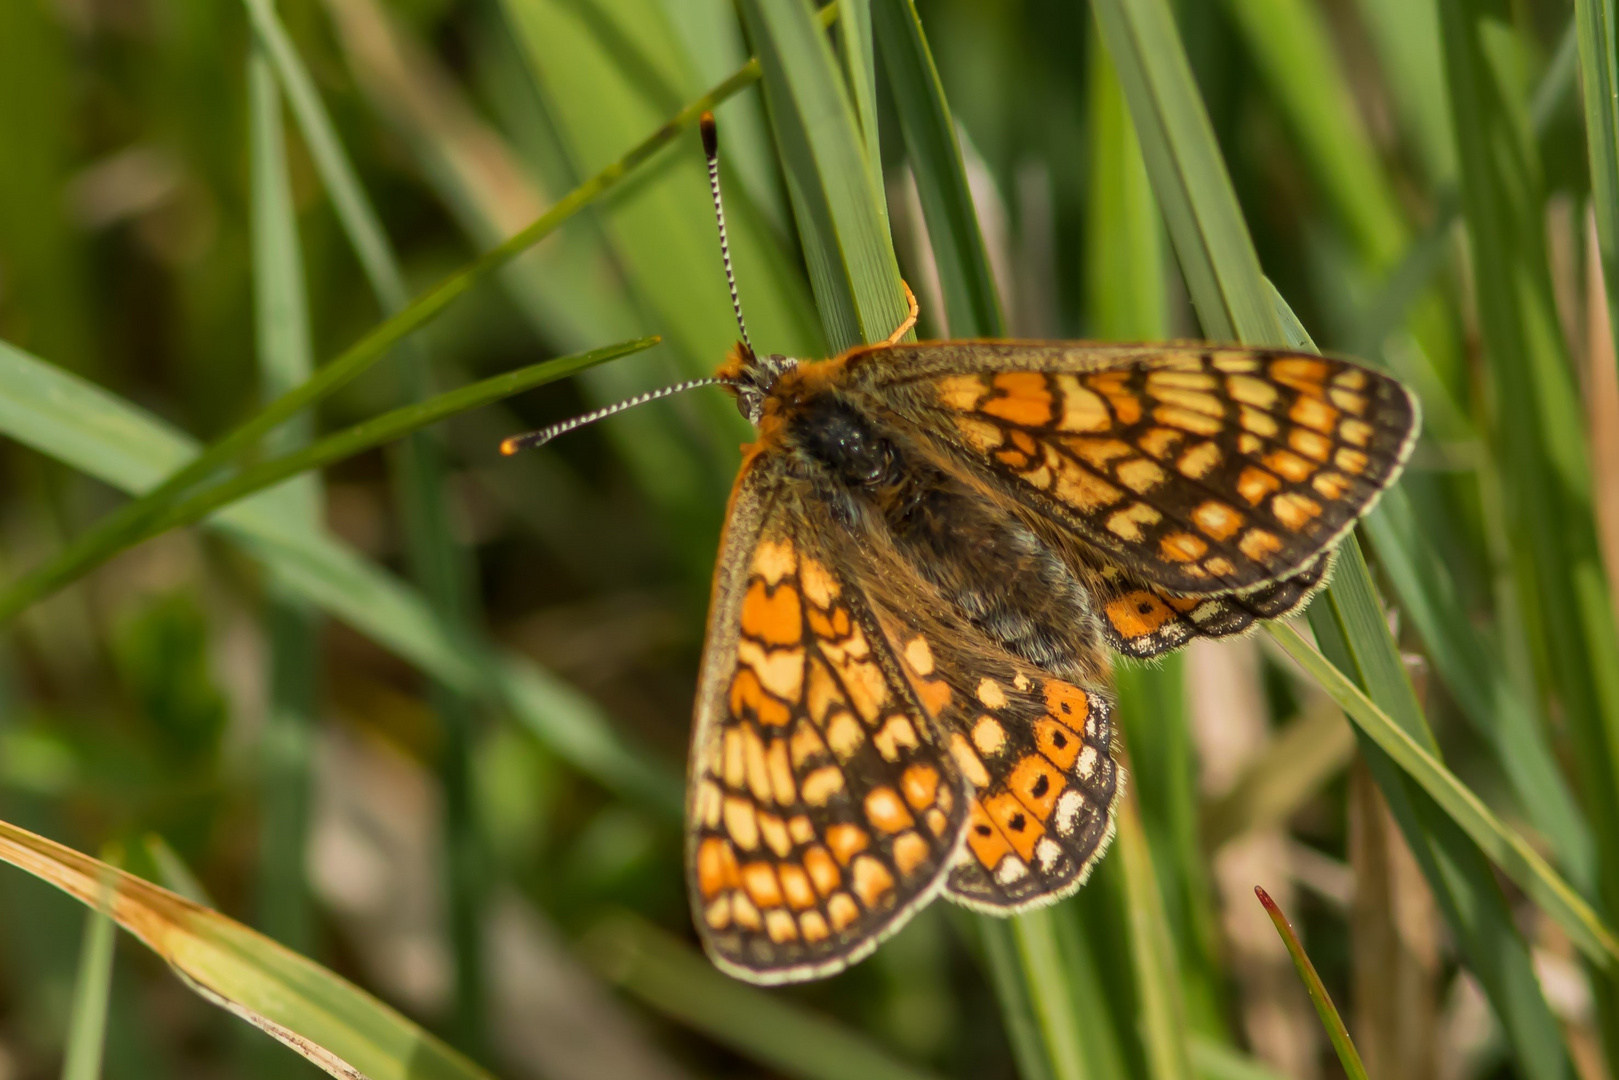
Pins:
x: 930, y: 553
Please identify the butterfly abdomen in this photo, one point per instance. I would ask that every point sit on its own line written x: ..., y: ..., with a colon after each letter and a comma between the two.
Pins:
x: 991, y: 570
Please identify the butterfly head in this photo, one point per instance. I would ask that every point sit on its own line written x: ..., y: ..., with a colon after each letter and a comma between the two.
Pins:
x: 751, y: 377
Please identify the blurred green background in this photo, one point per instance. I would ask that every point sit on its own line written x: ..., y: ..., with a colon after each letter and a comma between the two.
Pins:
x: 421, y: 714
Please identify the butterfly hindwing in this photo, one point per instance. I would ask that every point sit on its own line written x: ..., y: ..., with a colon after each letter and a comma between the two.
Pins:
x: 824, y: 804
x: 1200, y: 470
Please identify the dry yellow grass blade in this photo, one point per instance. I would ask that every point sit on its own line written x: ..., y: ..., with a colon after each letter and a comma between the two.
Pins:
x: 319, y: 1015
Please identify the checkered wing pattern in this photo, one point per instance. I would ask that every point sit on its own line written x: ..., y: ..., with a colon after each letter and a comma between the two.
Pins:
x: 824, y: 804
x: 1201, y: 471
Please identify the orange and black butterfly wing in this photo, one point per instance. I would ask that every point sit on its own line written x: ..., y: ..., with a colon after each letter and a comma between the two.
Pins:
x: 824, y: 806
x: 1036, y: 754
x: 1141, y: 621
x: 1200, y: 471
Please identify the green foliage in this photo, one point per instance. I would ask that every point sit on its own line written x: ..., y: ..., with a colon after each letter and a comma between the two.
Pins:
x: 271, y: 596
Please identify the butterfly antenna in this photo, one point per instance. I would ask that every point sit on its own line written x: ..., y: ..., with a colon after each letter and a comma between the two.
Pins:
x: 546, y: 434
x: 711, y: 151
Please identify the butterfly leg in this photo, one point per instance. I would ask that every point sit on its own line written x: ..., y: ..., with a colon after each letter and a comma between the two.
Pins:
x: 910, y: 319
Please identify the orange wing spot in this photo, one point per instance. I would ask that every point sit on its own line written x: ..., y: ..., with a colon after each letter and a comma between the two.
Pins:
x: 1259, y: 545
x: 1289, y: 466
x: 1251, y: 391
x: 1021, y: 830
x: 1183, y: 604
x: 886, y: 811
x: 1160, y: 441
x: 844, y: 734
x: 1309, y: 443
x: 706, y: 805
x: 1114, y: 385
x: 1037, y: 785
x: 967, y: 761
x: 895, y: 733
x: 937, y: 821
x: 748, y: 698
x: 781, y: 773
x: 820, y: 588
x: 823, y: 872
x: 872, y: 881
x: 1255, y: 483
x: 801, y: 829
x: 1350, y: 461
x: 990, y: 693
x: 842, y: 910
x: 1300, y: 373
x: 774, y: 560
x: 759, y: 878
x: 961, y: 391
x: 823, y: 690
x: 1259, y: 423
x: 1348, y: 401
x: 758, y: 772
x: 1234, y: 361
x: 910, y: 852
x: 736, y: 767
x: 1059, y: 742
x: 1082, y: 410
x: 780, y: 671
x: 1126, y: 524
x: 980, y: 434
x: 716, y: 867
x: 773, y: 616
x: 866, y: 687
x: 1294, y: 510
x: 1195, y: 400
x: 1355, y: 432
x: 984, y: 839
x: 1200, y: 460
x: 920, y: 784
x: 1138, y: 614
x: 1083, y: 490
x: 805, y: 744
x: 1330, y: 485
x: 1216, y: 519
x: 820, y: 785
x: 1013, y: 459
x: 781, y: 926
x: 1024, y: 399
x: 1023, y: 441
x: 1140, y: 475
x: 919, y: 656
x: 1198, y: 423
x: 989, y: 736
x: 1161, y: 380
x: 796, y: 887
x: 1219, y: 566
x: 1353, y: 378
x: 1065, y: 700
x: 1182, y: 547
x: 846, y: 841
x: 1249, y: 444
x: 743, y: 910
x: 812, y: 924
x: 774, y: 830
x: 934, y: 694
x: 741, y: 823
x: 1313, y: 413
x: 1098, y: 453
x: 718, y: 914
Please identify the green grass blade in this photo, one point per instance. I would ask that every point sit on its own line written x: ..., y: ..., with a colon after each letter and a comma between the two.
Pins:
x: 387, y: 428
x: 116, y: 531
x: 1228, y: 291
x: 1342, y: 1045
x: 324, y: 1018
x: 1539, y: 422
x: 838, y: 208
x: 92, y: 991
x: 1216, y: 1061
x: 971, y: 302
x: 281, y: 318
x: 1162, y: 1013
x: 680, y: 983
x: 1211, y: 240
x: 860, y: 72
x: 1405, y: 36
x: 1016, y: 989
x: 1597, y: 29
x: 93, y: 431
x: 1040, y: 963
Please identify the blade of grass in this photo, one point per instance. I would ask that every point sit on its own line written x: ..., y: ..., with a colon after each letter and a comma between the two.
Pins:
x: 1348, y: 1057
x: 1539, y: 428
x: 92, y: 990
x: 838, y: 209
x: 860, y: 73
x: 87, y: 428
x: 1179, y: 148
x: 437, y: 563
x: 676, y: 981
x: 1597, y: 29
x: 387, y: 428
x: 281, y: 322
x: 970, y: 299
x: 114, y: 532
x: 1163, y: 1013
x: 1216, y: 1061
x: 322, y: 1017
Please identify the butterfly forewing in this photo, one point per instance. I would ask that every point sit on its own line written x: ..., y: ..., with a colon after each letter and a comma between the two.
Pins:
x: 1200, y: 470
x: 824, y: 805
